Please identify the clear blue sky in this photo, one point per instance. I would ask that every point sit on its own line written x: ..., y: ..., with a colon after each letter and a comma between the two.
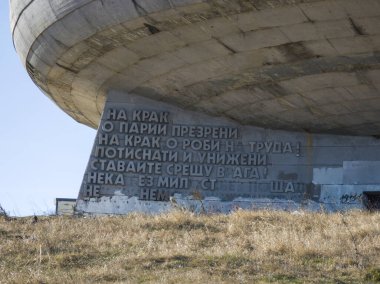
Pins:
x: 43, y: 151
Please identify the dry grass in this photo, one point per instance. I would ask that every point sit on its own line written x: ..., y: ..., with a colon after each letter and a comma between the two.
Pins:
x: 244, y: 247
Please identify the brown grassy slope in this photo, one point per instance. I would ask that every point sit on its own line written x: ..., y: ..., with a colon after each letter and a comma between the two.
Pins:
x: 244, y: 247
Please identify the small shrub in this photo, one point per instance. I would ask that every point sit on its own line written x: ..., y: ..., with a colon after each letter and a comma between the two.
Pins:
x: 373, y: 275
x: 3, y: 213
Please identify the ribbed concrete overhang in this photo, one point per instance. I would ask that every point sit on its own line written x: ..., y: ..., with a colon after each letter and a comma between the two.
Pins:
x: 284, y: 64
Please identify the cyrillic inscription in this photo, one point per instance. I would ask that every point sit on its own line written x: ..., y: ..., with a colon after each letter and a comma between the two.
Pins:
x: 145, y: 152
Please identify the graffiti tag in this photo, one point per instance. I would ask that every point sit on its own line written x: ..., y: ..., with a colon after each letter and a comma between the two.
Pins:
x: 351, y: 198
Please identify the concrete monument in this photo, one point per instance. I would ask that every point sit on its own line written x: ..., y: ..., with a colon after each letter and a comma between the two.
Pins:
x: 214, y: 105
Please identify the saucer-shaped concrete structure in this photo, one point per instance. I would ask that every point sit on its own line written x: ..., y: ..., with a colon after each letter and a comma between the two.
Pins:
x: 217, y: 104
x: 284, y: 64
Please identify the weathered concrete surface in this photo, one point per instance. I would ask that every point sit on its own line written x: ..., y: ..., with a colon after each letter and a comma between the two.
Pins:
x: 361, y: 172
x: 310, y: 65
x: 151, y: 156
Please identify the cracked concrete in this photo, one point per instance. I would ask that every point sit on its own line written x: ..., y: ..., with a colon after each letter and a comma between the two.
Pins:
x: 201, y: 54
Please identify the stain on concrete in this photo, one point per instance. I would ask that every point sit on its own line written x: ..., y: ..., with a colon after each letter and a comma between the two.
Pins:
x: 287, y: 176
x: 358, y: 29
x: 295, y: 51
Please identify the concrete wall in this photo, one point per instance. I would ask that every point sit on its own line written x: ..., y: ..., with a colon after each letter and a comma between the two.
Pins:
x: 150, y: 156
